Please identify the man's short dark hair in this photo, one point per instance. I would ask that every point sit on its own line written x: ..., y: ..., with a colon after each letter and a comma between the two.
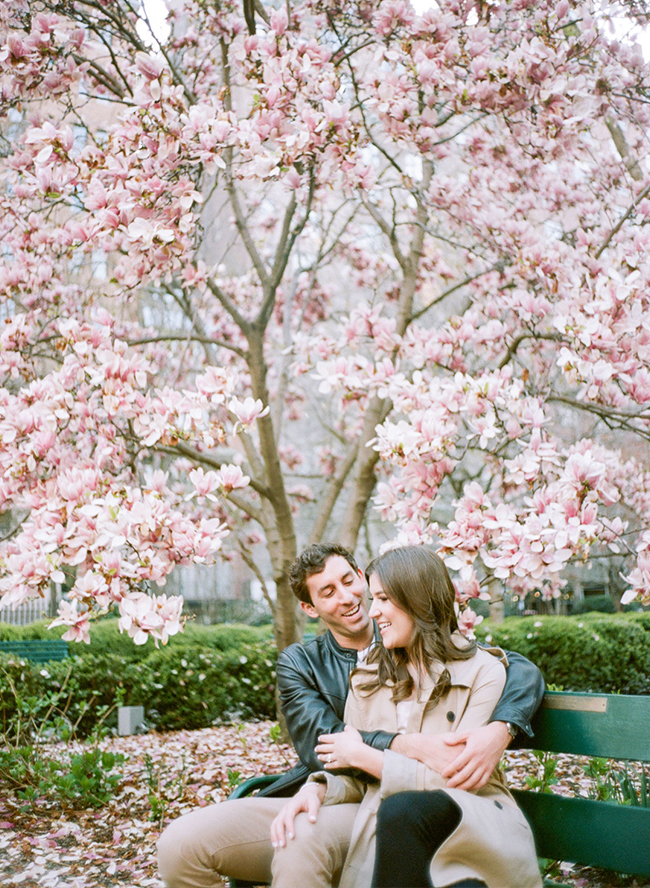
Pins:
x: 312, y: 561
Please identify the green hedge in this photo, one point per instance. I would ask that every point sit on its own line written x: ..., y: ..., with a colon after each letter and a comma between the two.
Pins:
x: 105, y: 638
x: 197, y: 687
x: 215, y: 674
x: 594, y: 652
x: 206, y: 676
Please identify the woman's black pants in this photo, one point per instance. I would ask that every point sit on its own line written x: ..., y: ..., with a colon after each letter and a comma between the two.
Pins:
x: 411, y: 826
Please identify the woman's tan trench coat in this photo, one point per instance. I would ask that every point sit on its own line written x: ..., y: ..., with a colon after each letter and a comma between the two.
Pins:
x: 493, y: 841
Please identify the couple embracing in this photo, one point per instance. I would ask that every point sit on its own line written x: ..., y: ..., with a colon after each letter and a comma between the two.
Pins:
x: 399, y: 737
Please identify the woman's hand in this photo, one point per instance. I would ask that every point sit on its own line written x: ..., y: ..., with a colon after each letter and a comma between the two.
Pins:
x: 340, y: 750
x: 307, y: 799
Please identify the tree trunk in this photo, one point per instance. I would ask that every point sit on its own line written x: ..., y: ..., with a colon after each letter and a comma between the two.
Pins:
x: 497, y: 603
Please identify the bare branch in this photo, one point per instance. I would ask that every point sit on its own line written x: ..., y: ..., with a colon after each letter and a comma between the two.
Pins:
x: 184, y: 450
x: 623, y: 149
x: 333, y: 489
x: 388, y: 230
x: 623, y: 418
x: 516, y: 342
x: 180, y: 337
x: 182, y: 300
x: 240, y: 219
x: 253, y: 457
x: 242, y: 226
x: 102, y: 76
x: 622, y: 221
x: 285, y: 245
x: 461, y: 130
x: 498, y: 266
x: 243, y: 323
x: 250, y: 563
x: 411, y: 266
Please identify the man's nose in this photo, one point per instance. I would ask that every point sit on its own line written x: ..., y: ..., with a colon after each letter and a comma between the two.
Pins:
x: 347, y: 594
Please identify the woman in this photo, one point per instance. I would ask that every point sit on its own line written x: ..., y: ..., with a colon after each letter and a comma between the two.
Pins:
x: 425, y: 677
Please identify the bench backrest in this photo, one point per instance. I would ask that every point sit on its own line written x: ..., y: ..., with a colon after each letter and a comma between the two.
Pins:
x: 594, y: 833
x: 40, y: 650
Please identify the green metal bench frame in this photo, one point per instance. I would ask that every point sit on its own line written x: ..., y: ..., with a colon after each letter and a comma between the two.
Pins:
x: 598, y: 834
x: 40, y: 650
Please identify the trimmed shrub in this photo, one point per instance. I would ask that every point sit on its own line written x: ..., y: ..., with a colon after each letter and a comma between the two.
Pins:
x: 603, y: 604
x: 11, y: 633
x: 196, y: 687
x: 81, y: 690
x: 186, y: 687
x: 106, y: 638
x: 596, y: 652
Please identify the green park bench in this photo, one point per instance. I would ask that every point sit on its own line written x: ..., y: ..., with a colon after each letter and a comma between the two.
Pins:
x: 40, y: 650
x: 592, y: 833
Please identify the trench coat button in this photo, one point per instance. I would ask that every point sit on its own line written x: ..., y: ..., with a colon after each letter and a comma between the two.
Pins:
x: 451, y: 716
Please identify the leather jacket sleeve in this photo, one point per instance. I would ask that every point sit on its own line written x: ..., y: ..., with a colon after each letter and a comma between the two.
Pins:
x: 522, y: 694
x: 313, y: 687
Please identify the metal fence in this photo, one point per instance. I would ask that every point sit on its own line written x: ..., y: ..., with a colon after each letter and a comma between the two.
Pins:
x: 24, y: 614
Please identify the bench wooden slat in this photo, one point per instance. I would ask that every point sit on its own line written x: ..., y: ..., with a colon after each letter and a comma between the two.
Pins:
x: 591, y: 724
x: 39, y: 650
x: 593, y: 833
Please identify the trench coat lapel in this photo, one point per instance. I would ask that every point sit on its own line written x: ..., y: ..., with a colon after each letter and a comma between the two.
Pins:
x: 461, y: 673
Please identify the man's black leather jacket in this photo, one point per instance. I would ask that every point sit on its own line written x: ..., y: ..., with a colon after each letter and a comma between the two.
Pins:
x: 313, y: 681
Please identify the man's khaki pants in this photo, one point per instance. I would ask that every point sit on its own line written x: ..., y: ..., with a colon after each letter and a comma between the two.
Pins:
x: 233, y: 839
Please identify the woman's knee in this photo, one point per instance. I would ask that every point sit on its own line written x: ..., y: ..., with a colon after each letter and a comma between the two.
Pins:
x: 414, y: 812
x: 395, y: 809
x: 406, y: 807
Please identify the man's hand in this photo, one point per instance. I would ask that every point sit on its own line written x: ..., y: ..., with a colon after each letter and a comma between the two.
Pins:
x: 430, y: 749
x: 307, y: 799
x: 480, y: 753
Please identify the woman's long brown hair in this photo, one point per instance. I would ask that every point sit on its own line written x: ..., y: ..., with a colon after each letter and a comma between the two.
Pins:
x: 416, y: 580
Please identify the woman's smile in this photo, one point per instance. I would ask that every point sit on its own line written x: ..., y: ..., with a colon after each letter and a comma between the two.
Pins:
x: 394, y: 624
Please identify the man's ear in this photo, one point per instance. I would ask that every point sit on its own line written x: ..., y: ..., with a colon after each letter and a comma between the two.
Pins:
x: 309, y: 609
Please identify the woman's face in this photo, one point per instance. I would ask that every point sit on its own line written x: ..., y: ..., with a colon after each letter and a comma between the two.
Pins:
x: 394, y: 624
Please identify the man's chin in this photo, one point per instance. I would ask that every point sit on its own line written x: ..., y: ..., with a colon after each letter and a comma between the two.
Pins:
x: 360, y: 628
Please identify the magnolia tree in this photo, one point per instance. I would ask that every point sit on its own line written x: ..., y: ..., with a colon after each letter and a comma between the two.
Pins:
x: 266, y: 270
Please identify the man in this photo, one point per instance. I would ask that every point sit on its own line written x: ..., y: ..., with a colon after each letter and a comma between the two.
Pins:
x: 233, y: 839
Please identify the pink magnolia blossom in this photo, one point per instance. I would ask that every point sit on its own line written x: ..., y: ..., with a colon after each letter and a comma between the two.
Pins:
x: 79, y: 622
x: 248, y: 410
x: 467, y: 621
x: 232, y: 478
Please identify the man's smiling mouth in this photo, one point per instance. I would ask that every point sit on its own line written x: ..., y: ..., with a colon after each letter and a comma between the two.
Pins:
x: 353, y: 612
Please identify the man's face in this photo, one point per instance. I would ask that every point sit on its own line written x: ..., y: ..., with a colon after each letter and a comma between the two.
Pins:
x: 339, y: 598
